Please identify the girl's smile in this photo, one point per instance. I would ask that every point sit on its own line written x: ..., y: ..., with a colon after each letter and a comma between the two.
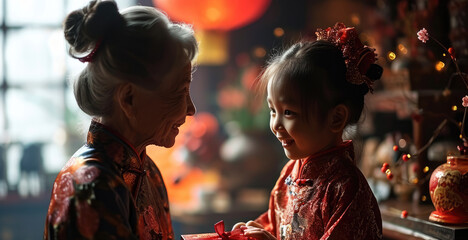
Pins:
x: 301, y: 133
x: 287, y: 143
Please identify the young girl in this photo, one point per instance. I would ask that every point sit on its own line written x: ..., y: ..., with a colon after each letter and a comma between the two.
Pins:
x: 314, y: 90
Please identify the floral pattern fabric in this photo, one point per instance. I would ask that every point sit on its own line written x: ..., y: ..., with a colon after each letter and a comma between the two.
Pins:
x: 324, y: 196
x: 107, y: 191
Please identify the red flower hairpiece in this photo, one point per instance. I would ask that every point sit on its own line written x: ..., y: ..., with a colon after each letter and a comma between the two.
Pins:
x: 358, y: 57
x: 90, y: 56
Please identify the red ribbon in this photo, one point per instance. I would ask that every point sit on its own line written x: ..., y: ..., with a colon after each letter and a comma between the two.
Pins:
x: 236, y: 234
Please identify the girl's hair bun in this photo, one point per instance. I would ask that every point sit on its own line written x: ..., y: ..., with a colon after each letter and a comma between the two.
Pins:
x: 374, y: 72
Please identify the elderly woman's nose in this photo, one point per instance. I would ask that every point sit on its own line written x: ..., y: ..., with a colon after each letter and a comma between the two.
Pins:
x: 191, y: 109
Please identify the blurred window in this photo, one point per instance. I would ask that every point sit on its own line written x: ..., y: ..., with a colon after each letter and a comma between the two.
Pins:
x: 40, y: 122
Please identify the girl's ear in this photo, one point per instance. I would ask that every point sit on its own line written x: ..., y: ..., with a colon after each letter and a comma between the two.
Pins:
x: 125, y: 99
x: 339, y: 118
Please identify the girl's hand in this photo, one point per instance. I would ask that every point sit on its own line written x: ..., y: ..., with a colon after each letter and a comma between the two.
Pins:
x: 255, y: 230
x: 245, y: 225
x: 258, y: 233
x: 238, y: 225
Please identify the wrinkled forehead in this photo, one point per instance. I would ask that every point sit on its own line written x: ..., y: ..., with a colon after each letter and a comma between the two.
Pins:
x: 167, y: 65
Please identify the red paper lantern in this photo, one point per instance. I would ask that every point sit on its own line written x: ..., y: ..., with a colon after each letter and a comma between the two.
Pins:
x: 214, y: 14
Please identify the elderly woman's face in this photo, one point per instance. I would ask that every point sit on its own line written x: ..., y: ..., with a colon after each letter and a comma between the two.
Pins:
x: 160, y: 113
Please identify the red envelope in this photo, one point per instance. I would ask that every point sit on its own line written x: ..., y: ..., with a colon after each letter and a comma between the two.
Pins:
x: 220, y: 234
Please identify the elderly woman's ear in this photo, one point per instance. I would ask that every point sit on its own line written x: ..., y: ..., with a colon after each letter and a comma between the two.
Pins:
x: 125, y: 94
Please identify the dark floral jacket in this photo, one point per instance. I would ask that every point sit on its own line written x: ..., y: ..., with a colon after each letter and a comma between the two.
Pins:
x: 107, y: 191
x: 324, y: 196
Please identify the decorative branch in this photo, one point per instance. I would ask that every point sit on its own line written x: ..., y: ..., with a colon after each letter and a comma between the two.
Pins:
x: 424, y: 36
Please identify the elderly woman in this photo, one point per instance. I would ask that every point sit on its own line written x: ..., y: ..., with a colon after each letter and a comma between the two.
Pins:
x: 136, y: 87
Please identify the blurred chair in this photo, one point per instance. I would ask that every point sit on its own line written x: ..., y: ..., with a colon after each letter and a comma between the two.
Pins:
x: 3, y: 177
x: 30, y: 182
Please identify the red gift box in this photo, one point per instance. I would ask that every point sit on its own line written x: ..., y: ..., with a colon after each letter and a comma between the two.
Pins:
x: 204, y: 236
x: 237, y: 234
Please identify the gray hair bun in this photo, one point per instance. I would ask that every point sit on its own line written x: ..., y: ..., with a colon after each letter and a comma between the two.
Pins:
x: 96, y: 21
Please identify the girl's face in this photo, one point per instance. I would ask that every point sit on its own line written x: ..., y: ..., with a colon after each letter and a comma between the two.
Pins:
x: 299, y: 136
x: 160, y: 113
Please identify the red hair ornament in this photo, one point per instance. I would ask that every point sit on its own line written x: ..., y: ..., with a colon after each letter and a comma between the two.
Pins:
x: 90, y: 56
x: 359, y: 58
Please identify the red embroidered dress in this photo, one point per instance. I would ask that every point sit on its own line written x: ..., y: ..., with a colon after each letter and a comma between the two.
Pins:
x: 106, y: 191
x: 324, y: 196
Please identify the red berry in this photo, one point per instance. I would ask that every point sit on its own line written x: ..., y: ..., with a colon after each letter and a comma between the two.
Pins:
x: 405, y: 157
x: 404, y: 214
x: 385, y: 166
x: 451, y: 51
x: 390, y: 176
x: 395, y: 148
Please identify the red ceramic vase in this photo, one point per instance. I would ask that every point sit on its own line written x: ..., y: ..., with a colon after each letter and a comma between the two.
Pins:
x: 449, y: 191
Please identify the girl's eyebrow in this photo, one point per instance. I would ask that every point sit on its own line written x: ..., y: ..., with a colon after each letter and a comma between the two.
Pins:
x: 284, y: 100
x: 288, y: 100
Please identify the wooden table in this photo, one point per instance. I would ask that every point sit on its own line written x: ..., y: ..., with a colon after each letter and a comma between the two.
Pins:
x: 417, y: 224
